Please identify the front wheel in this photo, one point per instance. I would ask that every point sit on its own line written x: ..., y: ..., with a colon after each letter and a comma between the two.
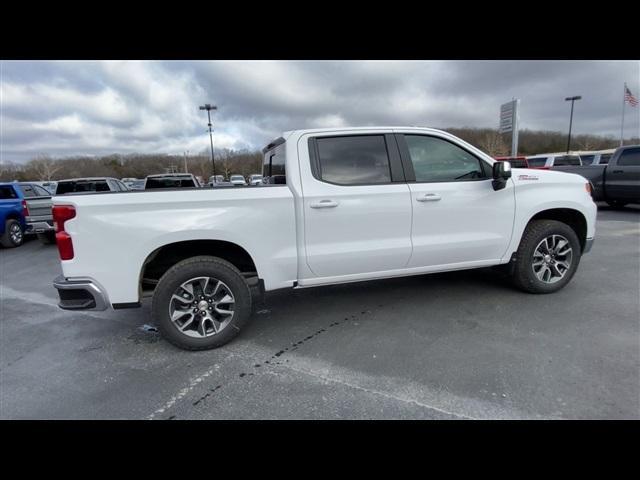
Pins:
x: 547, y: 258
x: 201, y: 303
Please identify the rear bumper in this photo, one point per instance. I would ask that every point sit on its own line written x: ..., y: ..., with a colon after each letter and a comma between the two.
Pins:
x: 588, y: 244
x: 39, y: 226
x: 80, y: 294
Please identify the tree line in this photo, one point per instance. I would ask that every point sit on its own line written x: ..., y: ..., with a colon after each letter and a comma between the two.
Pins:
x: 246, y: 162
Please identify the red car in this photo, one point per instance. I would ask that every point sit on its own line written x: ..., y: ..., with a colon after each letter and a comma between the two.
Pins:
x: 516, y: 162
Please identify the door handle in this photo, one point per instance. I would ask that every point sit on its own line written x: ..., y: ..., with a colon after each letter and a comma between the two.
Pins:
x: 324, y: 204
x: 429, y: 197
x: 618, y: 171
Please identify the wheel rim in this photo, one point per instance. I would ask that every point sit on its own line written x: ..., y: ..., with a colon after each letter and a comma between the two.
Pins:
x: 16, y: 233
x: 201, y: 307
x: 552, y: 259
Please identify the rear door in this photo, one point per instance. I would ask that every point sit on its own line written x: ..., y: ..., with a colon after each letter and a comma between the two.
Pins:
x: 357, y: 208
x: 622, y: 177
x: 458, y: 218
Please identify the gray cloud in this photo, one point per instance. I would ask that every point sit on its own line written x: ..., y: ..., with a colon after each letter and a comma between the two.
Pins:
x: 65, y: 108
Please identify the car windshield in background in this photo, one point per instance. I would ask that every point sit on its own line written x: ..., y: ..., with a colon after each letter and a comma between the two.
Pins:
x: 518, y: 163
x: 82, y: 186
x: 587, y: 159
x: 566, y: 160
x: 169, y: 182
x: 538, y: 162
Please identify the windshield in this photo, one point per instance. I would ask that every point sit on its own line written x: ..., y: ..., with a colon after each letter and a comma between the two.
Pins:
x: 169, y: 182
x: 82, y: 186
x: 537, y: 162
x: 237, y: 177
x: 566, y: 160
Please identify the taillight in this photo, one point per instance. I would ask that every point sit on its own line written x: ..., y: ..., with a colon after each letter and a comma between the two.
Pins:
x: 25, y: 209
x: 587, y: 186
x: 62, y: 213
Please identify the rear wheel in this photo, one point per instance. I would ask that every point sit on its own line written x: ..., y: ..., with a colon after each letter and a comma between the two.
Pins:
x: 13, y: 234
x: 201, y: 303
x: 547, y: 258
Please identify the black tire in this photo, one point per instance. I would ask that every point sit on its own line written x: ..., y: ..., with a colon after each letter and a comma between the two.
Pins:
x: 47, y: 238
x: 6, y: 239
x: 616, y: 203
x: 523, y: 275
x: 201, y: 266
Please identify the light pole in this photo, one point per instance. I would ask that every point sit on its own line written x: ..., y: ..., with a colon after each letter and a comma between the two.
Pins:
x: 208, y: 107
x: 573, y: 99
x: 186, y: 154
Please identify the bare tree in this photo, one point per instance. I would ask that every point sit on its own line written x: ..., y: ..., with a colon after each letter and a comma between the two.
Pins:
x: 44, y: 167
x: 493, y: 143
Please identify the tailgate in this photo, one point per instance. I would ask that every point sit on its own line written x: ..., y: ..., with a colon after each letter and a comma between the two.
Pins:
x: 39, y: 208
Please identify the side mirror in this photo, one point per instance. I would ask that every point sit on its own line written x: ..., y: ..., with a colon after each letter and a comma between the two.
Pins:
x: 501, y: 173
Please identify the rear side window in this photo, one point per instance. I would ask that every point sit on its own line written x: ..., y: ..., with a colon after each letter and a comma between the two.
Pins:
x: 630, y: 158
x: 437, y: 160
x: 353, y: 160
x: 587, y: 159
x: 169, y: 182
x: 537, y: 162
x: 7, y: 193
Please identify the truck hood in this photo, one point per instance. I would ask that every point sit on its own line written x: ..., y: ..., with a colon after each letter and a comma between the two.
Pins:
x: 530, y: 175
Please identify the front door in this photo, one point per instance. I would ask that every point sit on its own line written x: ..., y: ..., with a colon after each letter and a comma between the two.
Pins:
x: 458, y: 218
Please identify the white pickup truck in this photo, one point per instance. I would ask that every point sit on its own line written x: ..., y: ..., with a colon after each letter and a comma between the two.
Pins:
x: 336, y: 205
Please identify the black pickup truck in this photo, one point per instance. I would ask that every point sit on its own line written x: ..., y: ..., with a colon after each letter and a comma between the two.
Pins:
x: 618, y: 182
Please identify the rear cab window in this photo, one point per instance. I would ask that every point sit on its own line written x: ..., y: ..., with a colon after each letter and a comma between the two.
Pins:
x: 587, y: 159
x: 28, y: 191
x: 274, y: 163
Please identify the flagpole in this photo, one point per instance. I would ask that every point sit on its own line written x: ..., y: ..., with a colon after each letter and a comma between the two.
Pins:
x: 624, y: 92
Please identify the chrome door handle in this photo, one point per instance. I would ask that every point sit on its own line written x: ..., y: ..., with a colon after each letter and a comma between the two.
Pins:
x: 429, y: 197
x: 324, y: 204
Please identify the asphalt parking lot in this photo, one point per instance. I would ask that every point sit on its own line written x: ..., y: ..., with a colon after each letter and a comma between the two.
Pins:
x: 447, y: 346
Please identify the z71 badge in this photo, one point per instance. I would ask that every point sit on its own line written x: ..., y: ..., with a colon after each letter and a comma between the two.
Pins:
x: 527, y: 177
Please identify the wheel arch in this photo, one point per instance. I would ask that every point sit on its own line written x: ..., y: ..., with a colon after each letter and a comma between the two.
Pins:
x: 164, y: 257
x: 569, y: 216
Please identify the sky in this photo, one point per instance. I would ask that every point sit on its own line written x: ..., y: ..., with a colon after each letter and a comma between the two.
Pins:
x: 65, y: 108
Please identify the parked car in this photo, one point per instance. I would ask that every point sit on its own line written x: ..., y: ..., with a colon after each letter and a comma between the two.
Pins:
x: 547, y: 161
x: 516, y: 162
x: 255, y: 179
x: 618, y: 181
x: 351, y: 204
x: 219, y: 181
x: 90, y: 184
x: 599, y: 157
x: 25, y: 208
x: 171, y: 180
x: 238, y: 180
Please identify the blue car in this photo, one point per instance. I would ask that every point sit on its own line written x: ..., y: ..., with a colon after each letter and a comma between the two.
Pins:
x: 25, y: 208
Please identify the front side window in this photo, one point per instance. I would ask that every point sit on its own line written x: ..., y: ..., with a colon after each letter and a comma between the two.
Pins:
x: 353, y: 160
x: 437, y: 160
x: 630, y: 158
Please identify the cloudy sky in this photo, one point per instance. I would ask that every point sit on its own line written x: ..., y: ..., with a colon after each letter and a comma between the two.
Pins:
x: 68, y: 108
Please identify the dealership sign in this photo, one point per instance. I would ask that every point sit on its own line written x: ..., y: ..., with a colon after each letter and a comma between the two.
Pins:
x: 509, y: 122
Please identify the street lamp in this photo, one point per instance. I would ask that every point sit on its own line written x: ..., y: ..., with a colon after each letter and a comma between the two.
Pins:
x: 573, y: 99
x: 208, y: 107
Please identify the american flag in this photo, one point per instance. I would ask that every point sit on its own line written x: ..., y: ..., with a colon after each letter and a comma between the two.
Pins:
x: 628, y: 97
